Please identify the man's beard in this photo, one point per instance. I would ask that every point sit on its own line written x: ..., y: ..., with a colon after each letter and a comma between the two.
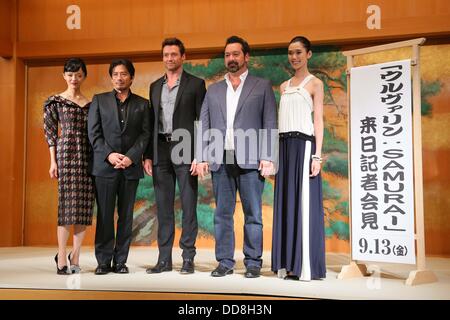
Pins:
x: 233, y: 66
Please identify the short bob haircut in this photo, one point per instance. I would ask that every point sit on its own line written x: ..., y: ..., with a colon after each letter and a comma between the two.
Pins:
x: 74, y: 65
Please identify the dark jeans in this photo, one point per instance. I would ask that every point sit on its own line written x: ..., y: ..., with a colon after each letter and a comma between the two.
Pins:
x: 108, y: 190
x: 226, y: 181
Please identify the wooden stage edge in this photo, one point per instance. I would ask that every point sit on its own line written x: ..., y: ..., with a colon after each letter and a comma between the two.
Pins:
x: 50, y: 294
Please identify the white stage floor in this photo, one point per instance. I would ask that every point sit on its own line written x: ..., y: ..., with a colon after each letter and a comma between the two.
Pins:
x: 34, y: 268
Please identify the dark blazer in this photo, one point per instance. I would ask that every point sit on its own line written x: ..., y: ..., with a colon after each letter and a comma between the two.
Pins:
x: 188, y: 104
x: 106, y: 135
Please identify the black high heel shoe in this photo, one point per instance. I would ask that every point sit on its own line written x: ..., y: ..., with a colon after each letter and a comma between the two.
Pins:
x: 63, y: 270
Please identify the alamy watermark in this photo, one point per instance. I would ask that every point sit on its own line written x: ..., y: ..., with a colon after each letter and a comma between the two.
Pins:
x: 251, y: 145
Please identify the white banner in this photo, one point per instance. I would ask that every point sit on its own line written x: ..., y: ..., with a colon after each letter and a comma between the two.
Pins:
x: 382, y: 191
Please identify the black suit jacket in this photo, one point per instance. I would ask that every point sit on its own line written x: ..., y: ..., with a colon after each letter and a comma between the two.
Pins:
x: 106, y: 135
x: 188, y: 104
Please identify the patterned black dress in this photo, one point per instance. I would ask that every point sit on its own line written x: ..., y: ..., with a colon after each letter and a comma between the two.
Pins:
x: 73, y: 152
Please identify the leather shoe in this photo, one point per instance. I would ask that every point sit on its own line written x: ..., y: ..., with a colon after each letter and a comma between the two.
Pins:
x: 188, y: 266
x: 161, y: 266
x: 120, y: 268
x: 252, y: 272
x: 221, y: 271
x: 102, y: 269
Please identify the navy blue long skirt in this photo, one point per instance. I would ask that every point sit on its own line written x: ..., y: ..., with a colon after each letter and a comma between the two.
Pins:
x: 298, y: 240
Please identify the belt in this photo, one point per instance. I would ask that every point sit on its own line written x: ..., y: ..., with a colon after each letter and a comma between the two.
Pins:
x: 296, y: 134
x: 167, y: 137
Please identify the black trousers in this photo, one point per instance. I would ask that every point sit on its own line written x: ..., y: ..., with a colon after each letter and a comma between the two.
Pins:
x: 109, y: 190
x: 165, y: 176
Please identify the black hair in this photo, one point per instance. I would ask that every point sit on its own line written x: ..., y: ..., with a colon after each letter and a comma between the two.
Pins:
x: 174, y: 42
x: 117, y: 62
x: 236, y: 39
x: 75, y: 64
x: 304, y: 41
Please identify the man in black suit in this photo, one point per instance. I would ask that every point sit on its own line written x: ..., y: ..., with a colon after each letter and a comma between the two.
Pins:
x: 175, y: 103
x: 119, y: 131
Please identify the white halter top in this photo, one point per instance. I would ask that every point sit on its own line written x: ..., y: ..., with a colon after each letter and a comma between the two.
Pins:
x: 296, y: 106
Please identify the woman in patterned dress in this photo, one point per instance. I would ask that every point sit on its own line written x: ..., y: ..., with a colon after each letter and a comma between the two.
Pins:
x: 298, y: 242
x: 70, y: 154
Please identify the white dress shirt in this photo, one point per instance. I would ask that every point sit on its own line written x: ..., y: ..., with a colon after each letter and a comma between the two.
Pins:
x: 232, y: 103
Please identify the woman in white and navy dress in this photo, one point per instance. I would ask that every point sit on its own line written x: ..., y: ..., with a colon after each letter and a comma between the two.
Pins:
x: 298, y: 241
